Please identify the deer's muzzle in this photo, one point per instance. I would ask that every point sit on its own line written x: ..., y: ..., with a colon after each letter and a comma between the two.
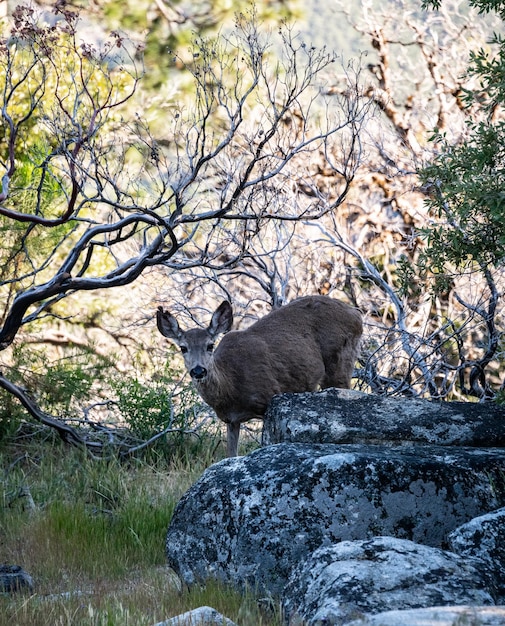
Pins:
x: 198, y: 372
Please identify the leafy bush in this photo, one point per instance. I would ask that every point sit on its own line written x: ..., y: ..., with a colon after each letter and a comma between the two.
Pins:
x: 61, y: 386
x: 162, y: 408
x: 467, y: 184
x: 159, y: 413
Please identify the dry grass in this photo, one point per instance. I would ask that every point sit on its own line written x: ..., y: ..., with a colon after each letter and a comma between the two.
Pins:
x: 92, y: 535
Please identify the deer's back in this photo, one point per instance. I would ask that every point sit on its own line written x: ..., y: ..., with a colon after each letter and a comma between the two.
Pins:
x: 326, y: 321
x: 286, y: 351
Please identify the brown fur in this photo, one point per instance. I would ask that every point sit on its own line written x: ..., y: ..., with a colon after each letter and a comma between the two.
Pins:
x: 311, y: 342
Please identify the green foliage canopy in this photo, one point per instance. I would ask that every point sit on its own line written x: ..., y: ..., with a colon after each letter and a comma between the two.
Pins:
x: 468, y: 196
x: 466, y: 181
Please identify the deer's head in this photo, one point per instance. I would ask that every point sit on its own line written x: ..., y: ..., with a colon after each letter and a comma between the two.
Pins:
x: 196, y: 344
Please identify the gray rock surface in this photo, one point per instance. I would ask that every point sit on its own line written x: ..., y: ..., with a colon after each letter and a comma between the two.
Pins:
x: 358, y: 511
x: 484, y: 537
x: 346, y: 416
x: 14, y: 578
x: 203, y: 616
x: 340, y: 583
x: 252, y: 519
x: 438, y: 616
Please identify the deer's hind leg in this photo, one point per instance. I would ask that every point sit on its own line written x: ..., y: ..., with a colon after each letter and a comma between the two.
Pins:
x: 340, y: 366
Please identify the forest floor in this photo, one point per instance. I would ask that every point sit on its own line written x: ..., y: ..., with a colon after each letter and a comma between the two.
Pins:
x: 91, y: 533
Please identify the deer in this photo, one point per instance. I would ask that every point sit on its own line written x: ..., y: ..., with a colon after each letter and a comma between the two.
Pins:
x: 310, y: 343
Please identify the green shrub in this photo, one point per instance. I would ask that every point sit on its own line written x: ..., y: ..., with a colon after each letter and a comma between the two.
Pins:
x: 163, y: 406
x: 60, y: 387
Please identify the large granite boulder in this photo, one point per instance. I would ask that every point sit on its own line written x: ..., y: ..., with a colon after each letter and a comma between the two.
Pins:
x: 252, y: 519
x: 339, y: 583
x: 350, y: 517
x: 348, y: 416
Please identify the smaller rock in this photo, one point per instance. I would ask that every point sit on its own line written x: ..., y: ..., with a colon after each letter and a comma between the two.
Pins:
x: 14, y: 578
x: 203, y: 616
x: 354, y: 579
x: 484, y: 537
x: 438, y: 616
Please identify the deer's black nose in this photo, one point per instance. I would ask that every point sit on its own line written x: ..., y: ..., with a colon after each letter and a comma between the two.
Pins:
x: 198, y: 372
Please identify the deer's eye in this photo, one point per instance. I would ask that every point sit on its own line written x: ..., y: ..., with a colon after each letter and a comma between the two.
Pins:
x: 184, y: 349
x: 210, y: 347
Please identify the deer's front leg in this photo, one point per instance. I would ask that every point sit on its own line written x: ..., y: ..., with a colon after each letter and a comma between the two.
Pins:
x: 232, y: 439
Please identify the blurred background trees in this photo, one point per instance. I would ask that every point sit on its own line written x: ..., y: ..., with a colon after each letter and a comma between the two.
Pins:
x: 180, y: 153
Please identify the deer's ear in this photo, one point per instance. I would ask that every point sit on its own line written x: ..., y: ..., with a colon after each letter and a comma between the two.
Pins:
x: 222, y: 319
x: 167, y: 324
